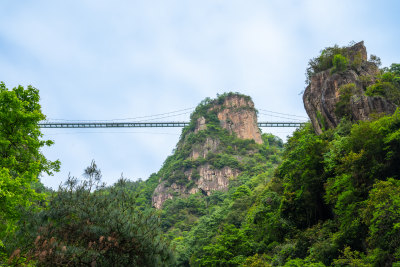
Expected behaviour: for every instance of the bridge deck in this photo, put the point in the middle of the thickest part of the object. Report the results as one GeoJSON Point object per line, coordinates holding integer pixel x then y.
{"type": "Point", "coordinates": [146, 124]}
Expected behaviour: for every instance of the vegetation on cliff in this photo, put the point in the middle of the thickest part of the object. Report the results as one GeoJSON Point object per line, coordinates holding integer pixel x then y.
{"type": "Point", "coordinates": [387, 84]}
{"type": "Point", "coordinates": [211, 143]}
{"type": "Point", "coordinates": [343, 84]}
{"type": "Point", "coordinates": [219, 228]}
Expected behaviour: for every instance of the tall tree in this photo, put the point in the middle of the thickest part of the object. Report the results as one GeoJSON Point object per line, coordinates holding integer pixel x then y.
{"type": "Point", "coordinates": [21, 160]}
{"type": "Point", "coordinates": [87, 224]}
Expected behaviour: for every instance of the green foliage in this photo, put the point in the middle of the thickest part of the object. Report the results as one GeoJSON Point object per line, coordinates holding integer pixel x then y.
{"type": "Point", "coordinates": [182, 213]}
{"type": "Point", "coordinates": [342, 107]}
{"type": "Point", "coordinates": [208, 229]}
{"type": "Point", "coordinates": [395, 68]}
{"type": "Point", "coordinates": [221, 147]}
{"type": "Point", "coordinates": [387, 84]}
{"type": "Point", "coordinates": [324, 61]}
{"type": "Point", "coordinates": [333, 200]}
{"type": "Point", "coordinates": [376, 60]}
{"type": "Point", "coordinates": [21, 160]}
{"type": "Point", "coordinates": [339, 63]}
{"type": "Point", "coordinates": [382, 216]}
{"type": "Point", "coordinates": [301, 262]}
{"type": "Point", "coordinates": [231, 248]}
{"type": "Point", "coordinates": [241, 191]}
{"type": "Point", "coordinates": [302, 172]}
{"type": "Point", "coordinates": [88, 224]}
{"type": "Point", "coordinates": [351, 258]}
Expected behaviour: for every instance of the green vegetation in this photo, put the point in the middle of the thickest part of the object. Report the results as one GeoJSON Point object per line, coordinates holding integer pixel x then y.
{"type": "Point", "coordinates": [21, 161]}
{"type": "Point", "coordinates": [332, 201]}
{"type": "Point", "coordinates": [319, 200]}
{"type": "Point", "coordinates": [223, 148]}
{"type": "Point", "coordinates": [80, 224]}
{"type": "Point", "coordinates": [88, 224]}
{"type": "Point", "coordinates": [339, 63]}
{"type": "Point", "coordinates": [387, 84]}
{"type": "Point", "coordinates": [325, 61]}
{"type": "Point", "coordinates": [342, 108]}
{"type": "Point", "coordinates": [337, 59]}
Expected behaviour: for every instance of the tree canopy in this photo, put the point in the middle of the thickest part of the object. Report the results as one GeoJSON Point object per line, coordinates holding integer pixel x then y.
{"type": "Point", "coordinates": [21, 161]}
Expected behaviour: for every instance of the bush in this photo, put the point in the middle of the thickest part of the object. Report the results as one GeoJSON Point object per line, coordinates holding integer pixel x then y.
{"type": "Point", "coordinates": [324, 61]}
{"type": "Point", "coordinates": [339, 63]}
{"type": "Point", "coordinates": [387, 84]}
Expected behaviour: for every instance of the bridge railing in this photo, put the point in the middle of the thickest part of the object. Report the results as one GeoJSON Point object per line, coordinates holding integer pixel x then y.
{"type": "Point", "coordinates": [146, 124]}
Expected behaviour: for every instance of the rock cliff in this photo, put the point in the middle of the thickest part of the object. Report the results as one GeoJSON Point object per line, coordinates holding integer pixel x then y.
{"type": "Point", "coordinates": [327, 92]}
{"type": "Point", "coordinates": [237, 115]}
{"type": "Point", "coordinates": [209, 153]}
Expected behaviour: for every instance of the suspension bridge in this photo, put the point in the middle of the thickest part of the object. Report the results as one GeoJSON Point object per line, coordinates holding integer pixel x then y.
{"type": "Point", "coordinates": [293, 121]}
{"type": "Point", "coordinates": [75, 125]}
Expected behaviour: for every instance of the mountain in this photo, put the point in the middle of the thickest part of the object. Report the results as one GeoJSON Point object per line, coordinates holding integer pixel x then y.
{"type": "Point", "coordinates": [329, 197]}
{"type": "Point", "coordinates": [231, 196]}
{"type": "Point", "coordinates": [212, 149]}
{"type": "Point", "coordinates": [335, 92]}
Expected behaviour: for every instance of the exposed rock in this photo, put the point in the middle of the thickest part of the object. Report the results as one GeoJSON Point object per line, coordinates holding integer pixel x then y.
{"type": "Point", "coordinates": [201, 124]}
{"type": "Point", "coordinates": [323, 93]}
{"type": "Point", "coordinates": [237, 114]}
{"type": "Point", "coordinates": [160, 195]}
{"type": "Point", "coordinates": [210, 145]}
{"type": "Point", "coordinates": [209, 181]}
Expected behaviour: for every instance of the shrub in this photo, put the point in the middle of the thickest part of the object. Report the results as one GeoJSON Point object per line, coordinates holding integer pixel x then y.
{"type": "Point", "coordinates": [387, 85]}
{"type": "Point", "coordinates": [324, 61]}
{"type": "Point", "coordinates": [339, 63]}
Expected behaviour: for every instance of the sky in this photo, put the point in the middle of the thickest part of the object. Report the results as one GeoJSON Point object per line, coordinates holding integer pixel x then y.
{"type": "Point", "coordinates": [125, 60]}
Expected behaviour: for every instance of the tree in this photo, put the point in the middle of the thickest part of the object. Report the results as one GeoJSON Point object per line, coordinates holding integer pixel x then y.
{"type": "Point", "coordinates": [382, 215]}
{"type": "Point", "coordinates": [339, 63]}
{"type": "Point", "coordinates": [302, 173]}
{"type": "Point", "coordinates": [21, 160]}
{"type": "Point", "coordinates": [87, 224]}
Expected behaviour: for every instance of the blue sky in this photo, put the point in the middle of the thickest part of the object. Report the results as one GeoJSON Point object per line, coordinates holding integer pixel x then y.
{"type": "Point", "coordinates": [101, 60]}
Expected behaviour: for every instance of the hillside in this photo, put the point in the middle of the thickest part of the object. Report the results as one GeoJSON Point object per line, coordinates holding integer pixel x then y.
{"type": "Point", "coordinates": [329, 198]}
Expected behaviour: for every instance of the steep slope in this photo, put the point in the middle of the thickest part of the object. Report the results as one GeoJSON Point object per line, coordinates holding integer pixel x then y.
{"type": "Point", "coordinates": [339, 89]}
{"type": "Point", "coordinates": [222, 134]}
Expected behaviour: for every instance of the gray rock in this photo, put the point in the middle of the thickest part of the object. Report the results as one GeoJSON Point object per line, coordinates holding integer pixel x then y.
{"type": "Point", "coordinates": [323, 93]}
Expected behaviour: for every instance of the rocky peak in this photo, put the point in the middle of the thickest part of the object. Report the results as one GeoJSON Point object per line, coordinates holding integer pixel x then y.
{"type": "Point", "coordinates": [328, 91]}
{"type": "Point", "coordinates": [207, 156]}
{"type": "Point", "coordinates": [237, 115]}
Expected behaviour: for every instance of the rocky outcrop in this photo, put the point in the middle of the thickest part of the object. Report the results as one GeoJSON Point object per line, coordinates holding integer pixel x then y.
{"type": "Point", "coordinates": [323, 93]}
{"type": "Point", "coordinates": [235, 113]}
{"type": "Point", "coordinates": [238, 116]}
{"type": "Point", "coordinates": [202, 150]}
{"type": "Point", "coordinates": [210, 180]}
{"type": "Point", "coordinates": [160, 194]}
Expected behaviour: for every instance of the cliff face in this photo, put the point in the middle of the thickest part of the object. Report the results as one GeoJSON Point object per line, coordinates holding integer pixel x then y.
{"type": "Point", "coordinates": [323, 95]}
{"type": "Point", "coordinates": [237, 115]}
{"type": "Point", "coordinates": [206, 158]}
